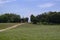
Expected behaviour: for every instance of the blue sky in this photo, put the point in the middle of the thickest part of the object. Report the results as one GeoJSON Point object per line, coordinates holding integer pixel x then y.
{"type": "Point", "coordinates": [27, 7]}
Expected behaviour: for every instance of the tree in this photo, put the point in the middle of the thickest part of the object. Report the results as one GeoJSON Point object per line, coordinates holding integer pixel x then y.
{"type": "Point", "coordinates": [26, 19]}
{"type": "Point", "coordinates": [33, 19]}
{"type": "Point", "coordinates": [46, 18]}
{"type": "Point", "coordinates": [9, 18]}
{"type": "Point", "coordinates": [23, 20]}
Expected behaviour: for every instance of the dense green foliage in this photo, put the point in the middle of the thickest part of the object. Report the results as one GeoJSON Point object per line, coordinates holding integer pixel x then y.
{"type": "Point", "coordinates": [24, 20]}
{"type": "Point", "coordinates": [33, 19]}
{"type": "Point", "coordinates": [11, 18]}
{"type": "Point", "coordinates": [47, 18]}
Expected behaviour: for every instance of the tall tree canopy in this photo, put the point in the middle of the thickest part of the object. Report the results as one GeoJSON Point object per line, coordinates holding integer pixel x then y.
{"type": "Point", "coordinates": [47, 17]}
{"type": "Point", "coordinates": [9, 18]}
{"type": "Point", "coordinates": [33, 19]}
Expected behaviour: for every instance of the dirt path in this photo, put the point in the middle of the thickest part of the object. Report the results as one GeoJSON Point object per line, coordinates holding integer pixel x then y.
{"type": "Point", "coordinates": [11, 27]}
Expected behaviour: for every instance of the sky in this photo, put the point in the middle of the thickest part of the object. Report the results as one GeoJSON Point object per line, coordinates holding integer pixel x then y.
{"type": "Point", "coordinates": [27, 7]}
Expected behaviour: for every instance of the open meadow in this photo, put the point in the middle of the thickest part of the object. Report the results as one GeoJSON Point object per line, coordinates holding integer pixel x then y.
{"type": "Point", "coordinates": [32, 32]}
{"type": "Point", "coordinates": [6, 25]}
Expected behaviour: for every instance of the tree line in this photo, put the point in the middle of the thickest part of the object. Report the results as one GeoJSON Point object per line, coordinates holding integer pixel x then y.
{"type": "Point", "coordinates": [43, 18]}
{"type": "Point", "coordinates": [46, 18]}
{"type": "Point", "coordinates": [12, 18]}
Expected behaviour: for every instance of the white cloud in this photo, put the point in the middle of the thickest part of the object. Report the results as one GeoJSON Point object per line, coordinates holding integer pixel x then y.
{"type": "Point", "coordinates": [46, 5]}
{"type": "Point", "coordinates": [5, 1]}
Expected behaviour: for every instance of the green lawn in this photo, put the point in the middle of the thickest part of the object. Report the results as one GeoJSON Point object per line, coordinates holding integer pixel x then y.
{"type": "Point", "coordinates": [32, 32]}
{"type": "Point", "coordinates": [5, 25]}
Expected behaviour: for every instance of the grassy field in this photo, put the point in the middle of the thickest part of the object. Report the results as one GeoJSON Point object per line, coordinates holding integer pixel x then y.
{"type": "Point", "coordinates": [5, 25]}
{"type": "Point", "coordinates": [32, 32]}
